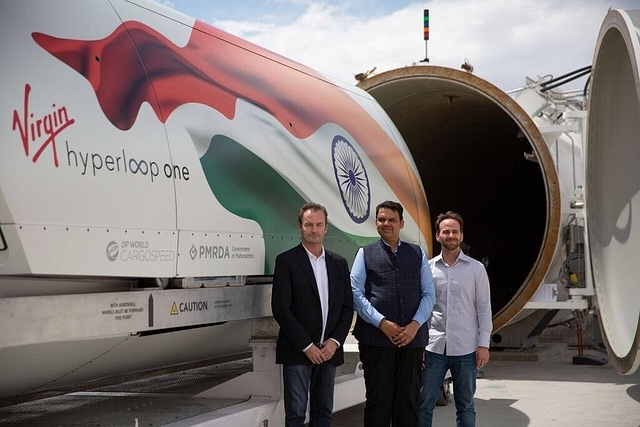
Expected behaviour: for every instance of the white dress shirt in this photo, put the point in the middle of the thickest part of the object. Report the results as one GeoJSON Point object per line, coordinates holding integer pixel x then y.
{"type": "Point", "coordinates": [319, 266]}
{"type": "Point", "coordinates": [461, 318]}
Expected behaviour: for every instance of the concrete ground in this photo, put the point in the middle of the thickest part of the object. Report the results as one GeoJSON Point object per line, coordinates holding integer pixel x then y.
{"type": "Point", "coordinates": [538, 387]}
{"type": "Point", "coordinates": [548, 392]}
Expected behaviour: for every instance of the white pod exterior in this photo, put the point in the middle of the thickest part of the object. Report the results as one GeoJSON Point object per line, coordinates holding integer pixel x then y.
{"type": "Point", "coordinates": [141, 147]}
{"type": "Point", "coordinates": [613, 184]}
{"type": "Point", "coordinates": [144, 143]}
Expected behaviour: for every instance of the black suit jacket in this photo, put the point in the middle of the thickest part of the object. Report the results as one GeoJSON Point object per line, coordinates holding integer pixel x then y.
{"type": "Point", "coordinates": [295, 303]}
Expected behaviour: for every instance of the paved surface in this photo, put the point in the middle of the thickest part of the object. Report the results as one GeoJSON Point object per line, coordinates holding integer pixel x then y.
{"type": "Point", "coordinates": [550, 392]}
{"type": "Point", "coordinates": [540, 387]}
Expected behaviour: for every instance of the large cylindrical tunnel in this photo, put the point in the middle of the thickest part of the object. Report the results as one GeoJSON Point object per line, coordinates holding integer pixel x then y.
{"type": "Point", "coordinates": [469, 139]}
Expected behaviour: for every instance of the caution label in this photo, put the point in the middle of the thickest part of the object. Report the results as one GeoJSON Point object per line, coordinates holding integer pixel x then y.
{"type": "Point", "coordinates": [189, 306]}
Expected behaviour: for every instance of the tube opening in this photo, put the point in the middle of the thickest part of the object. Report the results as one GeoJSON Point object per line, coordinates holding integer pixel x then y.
{"type": "Point", "coordinates": [480, 155]}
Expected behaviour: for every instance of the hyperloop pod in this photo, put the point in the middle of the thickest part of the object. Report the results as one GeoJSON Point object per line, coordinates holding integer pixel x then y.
{"type": "Point", "coordinates": [613, 185]}
{"type": "Point", "coordinates": [468, 139]}
{"type": "Point", "coordinates": [154, 145]}
{"type": "Point", "coordinates": [141, 144]}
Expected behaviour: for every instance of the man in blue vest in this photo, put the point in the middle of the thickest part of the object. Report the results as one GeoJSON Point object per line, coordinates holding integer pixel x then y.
{"type": "Point", "coordinates": [393, 294]}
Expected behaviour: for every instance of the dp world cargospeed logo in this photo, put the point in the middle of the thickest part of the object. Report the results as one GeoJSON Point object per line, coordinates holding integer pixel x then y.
{"type": "Point", "coordinates": [352, 179]}
{"type": "Point", "coordinates": [112, 251]}
{"type": "Point", "coordinates": [137, 251]}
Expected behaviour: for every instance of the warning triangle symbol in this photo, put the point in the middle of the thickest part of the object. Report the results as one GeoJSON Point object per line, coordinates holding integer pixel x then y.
{"type": "Point", "coordinates": [174, 309]}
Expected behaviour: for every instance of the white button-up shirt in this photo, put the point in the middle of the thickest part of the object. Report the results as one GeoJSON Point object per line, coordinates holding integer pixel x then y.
{"type": "Point", "coordinates": [319, 266]}
{"type": "Point", "coordinates": [461, 318]}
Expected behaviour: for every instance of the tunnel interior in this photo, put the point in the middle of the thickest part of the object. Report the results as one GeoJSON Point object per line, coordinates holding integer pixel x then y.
{"type": "Point", "coordinates": [470, 154]}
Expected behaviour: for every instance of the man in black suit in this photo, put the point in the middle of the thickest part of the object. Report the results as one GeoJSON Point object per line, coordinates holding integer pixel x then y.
{"type": "Point", "coordinates": [313, 304]}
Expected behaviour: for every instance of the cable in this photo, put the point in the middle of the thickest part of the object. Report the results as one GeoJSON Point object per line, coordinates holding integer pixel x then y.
{"type": "Point", "coordinates": [566, 271]}
{"type": "Point", "coordinates": [555, 79]}
{"type": "Point", "coordinates": [547, 86]}
{"type": "Point", "coordinates": [586, 85]}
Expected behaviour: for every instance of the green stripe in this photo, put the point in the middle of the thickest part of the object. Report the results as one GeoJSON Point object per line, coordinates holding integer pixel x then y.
{"type": "Point", "coordinates": [248, 187]}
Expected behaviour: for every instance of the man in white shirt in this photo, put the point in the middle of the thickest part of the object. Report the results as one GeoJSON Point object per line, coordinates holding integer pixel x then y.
{"type": "Point", "coordinates": [460, 325]}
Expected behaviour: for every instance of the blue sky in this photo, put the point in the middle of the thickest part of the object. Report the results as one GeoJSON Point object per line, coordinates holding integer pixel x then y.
{"type": "Point", "coordinates": [505, 40]}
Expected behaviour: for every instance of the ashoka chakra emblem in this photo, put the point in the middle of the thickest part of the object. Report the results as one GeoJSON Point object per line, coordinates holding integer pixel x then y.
{"type": "Point", "coordinates": [352, 179]}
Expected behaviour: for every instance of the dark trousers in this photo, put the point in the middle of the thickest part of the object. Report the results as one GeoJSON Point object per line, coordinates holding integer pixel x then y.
{"type": "Point", "coordinates": [392, 377]}
{"type": "Point", "coordinates": [312, 383]}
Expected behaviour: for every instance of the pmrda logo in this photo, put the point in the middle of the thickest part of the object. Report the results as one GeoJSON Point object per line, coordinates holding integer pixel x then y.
{"type": "Point", "coordinates": [38, 132]}
{"type": "Point", "coordinates": [209, 252]}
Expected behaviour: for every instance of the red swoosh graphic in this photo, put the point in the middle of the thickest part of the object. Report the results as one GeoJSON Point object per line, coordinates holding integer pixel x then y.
{"type": "Point", "coordinates": [216, 69]}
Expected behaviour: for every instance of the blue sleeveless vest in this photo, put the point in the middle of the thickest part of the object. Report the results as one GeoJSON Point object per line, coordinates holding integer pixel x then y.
{"type": "Point", "coordinates": [393, 288]}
